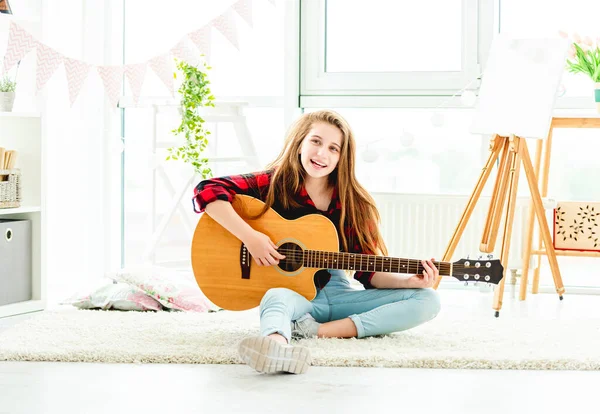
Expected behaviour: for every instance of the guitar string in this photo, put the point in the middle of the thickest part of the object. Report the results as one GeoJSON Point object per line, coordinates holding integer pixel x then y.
{"type": "Point", "coordinates": [316, 253]}
{"type": "Point", "coordinates": [379, 263]}
{"type": "Point", "coordinates": [323, 252]}
{"type": "Point", "coordinates": [320, 256]}
{"type": "Point", "coordinates": [297, 255]}
{"type": "Point", "coordinates": [443, 269]}
{"type": "Point", "coordinates": [447, 269]}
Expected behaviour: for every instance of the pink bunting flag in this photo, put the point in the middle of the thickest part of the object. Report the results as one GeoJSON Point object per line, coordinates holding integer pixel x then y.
{"type": "Point", "coordinates": [136, 73]}
{"type": "Point", "coordinates": [161, 65]}
{"type": "Point", "coordinates": [225, 23]}
{"type": "Point", "coordinates": [77, 72]}
{"type": "Point", "coordinates": [20, 42]}
{"type": "Point", "coordinates": [201, 39]}
{"type": "Point", "coordinates": [182, 52]}
{"type": "Point", "coordinates": [244, 9]}
{"type": "Point", "coordinates": [112, 78]}
{"type": "Point", "coordinates": [48, 60]}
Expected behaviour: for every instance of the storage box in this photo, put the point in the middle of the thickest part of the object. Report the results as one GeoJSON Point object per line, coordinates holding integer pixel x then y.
{"type": "Point", "coordinates": [10, 188]}
{"type": "Point", "coordinates": [577, 226]}
{"type": "Point", "coordinates": [15, 261]}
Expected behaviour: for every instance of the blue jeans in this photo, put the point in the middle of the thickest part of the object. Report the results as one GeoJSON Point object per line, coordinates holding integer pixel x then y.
{"type": "Point", "coordinates": [373, 311]}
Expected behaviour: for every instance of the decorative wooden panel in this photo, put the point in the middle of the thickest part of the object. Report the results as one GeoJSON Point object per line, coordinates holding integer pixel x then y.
{"type": "Point", "coordinates": [577, 226]}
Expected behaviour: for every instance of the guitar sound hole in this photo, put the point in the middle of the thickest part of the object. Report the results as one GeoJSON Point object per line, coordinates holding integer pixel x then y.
{"type": "Point", "coordinates": [293, 257]}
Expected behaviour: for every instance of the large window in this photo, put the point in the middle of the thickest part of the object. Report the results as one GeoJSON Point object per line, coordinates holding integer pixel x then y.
{"type": "Point", "coordinates": [382, 36]}
{"type": "Point", "coordinates": [389, 69]}
{"type": "Point", "coordinates": [153, 27]}
{"type": "Point", "coordinates": [155, 226]}
{"type": "Point", "coordinates": [381, 47]}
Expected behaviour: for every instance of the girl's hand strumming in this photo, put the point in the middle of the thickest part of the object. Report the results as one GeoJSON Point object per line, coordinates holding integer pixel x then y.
{"type": "Point", "coordinates": [262, 249]}
{"type": "Point", "coordinates": [427, 279]}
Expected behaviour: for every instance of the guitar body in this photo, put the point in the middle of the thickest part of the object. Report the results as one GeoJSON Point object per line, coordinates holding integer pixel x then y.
{"type": "Point", "coordinates": [218, 259]}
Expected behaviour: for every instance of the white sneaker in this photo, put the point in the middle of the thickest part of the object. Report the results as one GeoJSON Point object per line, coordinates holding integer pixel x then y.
{"type": "Point", "coordinates": [268, 355]}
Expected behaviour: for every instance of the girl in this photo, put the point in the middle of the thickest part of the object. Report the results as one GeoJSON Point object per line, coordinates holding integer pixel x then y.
{"type": "Point", "coordinates": [314, 173]}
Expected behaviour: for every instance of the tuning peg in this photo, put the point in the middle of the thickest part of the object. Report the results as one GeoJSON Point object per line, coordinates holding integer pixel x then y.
{"type": "Point", "coordinates": [480, 257]}
{"type": "Point", "coordinates": [490, 256]}
{"type": "Point", "coordinates": [466, 283]}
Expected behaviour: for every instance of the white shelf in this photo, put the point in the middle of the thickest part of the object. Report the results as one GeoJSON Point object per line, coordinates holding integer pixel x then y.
{"type": "Point", "coordinates": [21, 130]}
{"type": "Point", "coordinates": [19, 114]}
{"type": "Point", "coordinates": [575, 113]}
{"type": "Point", "coordinates": [22, 307]}
{"type": "Point", "coordinates": [20, 210]}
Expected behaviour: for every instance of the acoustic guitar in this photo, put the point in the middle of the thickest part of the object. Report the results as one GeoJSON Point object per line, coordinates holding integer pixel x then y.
{"type": "Point", "coordinates": [228, 276]}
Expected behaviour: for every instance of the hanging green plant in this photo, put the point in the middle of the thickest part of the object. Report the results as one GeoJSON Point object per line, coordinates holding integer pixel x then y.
{"type": "Point", "coordinates": [195, 93]}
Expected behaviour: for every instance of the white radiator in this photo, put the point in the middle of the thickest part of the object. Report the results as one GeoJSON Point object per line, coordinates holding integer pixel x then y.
{"type": "Point", "coordinates": [420, 226]}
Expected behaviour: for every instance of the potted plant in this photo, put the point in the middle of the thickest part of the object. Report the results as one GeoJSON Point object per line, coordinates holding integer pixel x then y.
{"type": "Point", "coordinates": [7, 94]}
{"type": "Point", "coordinates": [195, 94]}
{"type": "Point", "coordinates": [584, 57]}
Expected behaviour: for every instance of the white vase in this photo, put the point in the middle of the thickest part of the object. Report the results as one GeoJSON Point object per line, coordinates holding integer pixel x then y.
{"type": "Point", "coordinates": [7, 99]}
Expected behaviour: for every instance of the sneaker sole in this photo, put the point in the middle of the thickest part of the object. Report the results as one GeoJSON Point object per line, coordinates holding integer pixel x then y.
{"type": "Point", "coordinates": [269, 356]}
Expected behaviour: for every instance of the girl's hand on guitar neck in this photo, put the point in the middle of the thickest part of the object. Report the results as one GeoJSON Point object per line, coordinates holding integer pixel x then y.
{"type": "Point", "coordinates": [262, 249]}
{"type": "Point", "coordinates": [425, 280]}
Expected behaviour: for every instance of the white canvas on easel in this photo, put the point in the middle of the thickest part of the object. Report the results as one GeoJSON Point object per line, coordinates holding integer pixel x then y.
{"type": "Point", "coordinates": [519, 86]}
{"type": "Point", "coordinates": [516, 99]}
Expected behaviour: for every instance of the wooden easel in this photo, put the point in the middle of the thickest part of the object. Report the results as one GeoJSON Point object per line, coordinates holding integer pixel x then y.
{"type": "Point", "coordinates": [510, 151]}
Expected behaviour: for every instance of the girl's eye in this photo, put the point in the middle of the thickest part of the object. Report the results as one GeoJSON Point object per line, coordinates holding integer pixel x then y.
{"type": "Point", "coordinates": [334, 149]}
{"type": "Point", "coordinates": [315, 141]}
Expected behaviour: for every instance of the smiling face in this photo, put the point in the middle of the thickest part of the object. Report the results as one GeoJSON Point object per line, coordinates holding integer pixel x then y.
{"type": "Point", "coordinates": [320, 150]}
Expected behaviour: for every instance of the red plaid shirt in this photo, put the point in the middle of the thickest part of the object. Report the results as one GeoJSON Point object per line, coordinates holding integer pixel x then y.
{"type": "Point", "coordinates": [257, 185]}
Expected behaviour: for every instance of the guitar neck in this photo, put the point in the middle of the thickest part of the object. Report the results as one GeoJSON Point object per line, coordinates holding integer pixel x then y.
{"type": "Point", "coordinates": [368, 263]}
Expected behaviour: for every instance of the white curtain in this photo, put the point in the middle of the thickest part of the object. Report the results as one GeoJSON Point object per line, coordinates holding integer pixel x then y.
{"type": "Point", "coordinates": [83, 228]}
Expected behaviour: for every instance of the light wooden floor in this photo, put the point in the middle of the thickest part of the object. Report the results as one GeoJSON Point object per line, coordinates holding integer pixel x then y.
{"type": "Point", "coordinates": [123, 388]}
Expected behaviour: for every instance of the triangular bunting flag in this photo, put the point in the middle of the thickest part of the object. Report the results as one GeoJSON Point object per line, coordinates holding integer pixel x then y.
{"type": "Point", "coordinates": [112, 78]}
{"type": "Point", "coordinates": [163, 69]}
{"type": "Point", "coordinates": [48, 60]}
{"type": "Point", "coordinates": [244, 9]}
{"type": "Point", "coordinates": [19, 44]}
{"type": "Point", "coordinates": [201, 39]}
{"type": "Point", "coordinates": [135, 75]}
{"type": "Point", "coordinates": [77, 72]}
{"type": "Point", "coordinates": [182, 52]}
{"type": "Point", "coordinates": [225, 23]}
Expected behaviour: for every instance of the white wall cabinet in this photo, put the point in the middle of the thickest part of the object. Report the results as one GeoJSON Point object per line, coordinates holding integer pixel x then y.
{"type": "Point", "coordinates": [23, 132]}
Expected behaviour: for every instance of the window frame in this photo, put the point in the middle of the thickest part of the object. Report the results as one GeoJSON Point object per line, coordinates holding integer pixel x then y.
{"type": "Point", "coordinates": [318, 86]}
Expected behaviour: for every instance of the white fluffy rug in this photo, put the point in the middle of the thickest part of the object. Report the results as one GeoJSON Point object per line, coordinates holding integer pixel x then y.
{"type": "Point", "coordinates": [210, 338]}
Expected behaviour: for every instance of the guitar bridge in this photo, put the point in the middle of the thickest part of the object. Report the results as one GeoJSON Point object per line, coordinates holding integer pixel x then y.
{"type": "Point", "coordinates": [245, 262]}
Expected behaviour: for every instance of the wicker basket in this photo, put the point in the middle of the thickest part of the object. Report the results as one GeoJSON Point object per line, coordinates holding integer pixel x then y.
{"type": "Point", "coordinates": [10, 188]}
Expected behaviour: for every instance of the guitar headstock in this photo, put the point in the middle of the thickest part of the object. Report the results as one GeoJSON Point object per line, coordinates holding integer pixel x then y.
{"type": "Point", "coordinates": [478, 270]}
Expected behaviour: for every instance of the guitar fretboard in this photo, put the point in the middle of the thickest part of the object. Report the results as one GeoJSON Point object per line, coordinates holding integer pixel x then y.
{"type": "Point", "coordinates": [368, 263]}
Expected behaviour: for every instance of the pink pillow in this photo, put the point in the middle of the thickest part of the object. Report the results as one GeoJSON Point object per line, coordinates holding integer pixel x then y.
{"type": "Point", "coordinates": [169, 287]}
{"type": "Point", "coordinates": [118, 296]}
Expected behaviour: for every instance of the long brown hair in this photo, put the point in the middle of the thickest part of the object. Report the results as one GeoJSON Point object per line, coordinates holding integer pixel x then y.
{"type": "Point", "coordinates": [359, 211]}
